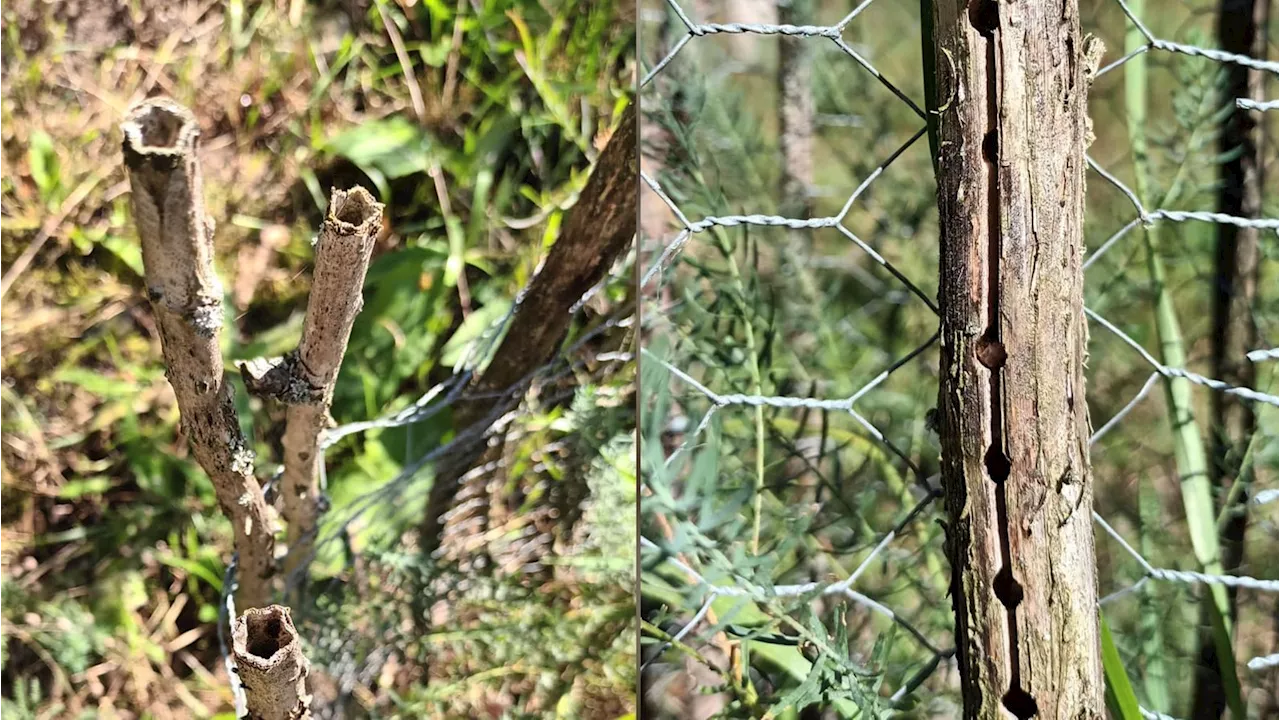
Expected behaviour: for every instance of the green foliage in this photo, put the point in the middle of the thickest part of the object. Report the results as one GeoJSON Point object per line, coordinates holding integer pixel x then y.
{"type": "Point", "coordinates": [767, 311]}
{"type": "Point", "coordinates": [1121, 700]}
{"type": "Point", "coordinates": [1166, 180]}
{"type": "Point", "coordinates": [74, 651]}
{"type": "Point", "coordinates": [390, 148]}
{"type": "Point", "coordinates": [27, 696]}
{"type": "Point", "coordinates": [43, 159]}
{"type": "Point", "coordinates": [820, 320]}
{"type": "Point", "coordinates": [519, 97]}
{"type": "Point", "coordinates": [555, 643]}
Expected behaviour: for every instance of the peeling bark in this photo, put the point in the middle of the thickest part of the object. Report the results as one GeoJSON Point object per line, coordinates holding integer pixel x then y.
{"type": "Point", "coordinates": [161, 139]}
{"type": "Point", "coordinates": [1012, 83]}
{"type": "Point", "coordinates": [272, 668]}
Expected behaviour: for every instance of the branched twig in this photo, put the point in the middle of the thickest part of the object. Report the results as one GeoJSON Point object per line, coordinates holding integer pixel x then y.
{"type": "Point", "coordinates": [160, 144]}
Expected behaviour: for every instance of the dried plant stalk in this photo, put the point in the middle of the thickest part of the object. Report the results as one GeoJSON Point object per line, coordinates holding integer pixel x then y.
{"type": "Point", "coordinates": [796, 112]}
{"type": "Point", "coordinates": [272, 668]}
{"type": "Point", "coordinates": [595, 232]}
{"type": "Point", "coordinates": [160, 144]}
{"type": "Point", "coordinates": [342, 257]}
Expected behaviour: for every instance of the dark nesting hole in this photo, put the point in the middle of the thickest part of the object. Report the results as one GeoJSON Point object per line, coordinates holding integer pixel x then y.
{"type": "Point", "coordinates": [1021, 704]}
{"type": "Point", "coordinates": [1008, 590]}
{"type": "Point", "coordinates": [997, 464]}
{"type": "Point", "coordinates": [991, 147]}
{"type": "Point", "coordinates": [984, 16]}
{"type": "Point", "coordinates": [354, 208]}
{"type": "Point", "coordinates": [160, 127]}
{"type": "Point", "coordinates": [266, 640]}
{"type": "Point", "coordinates": [990, 351]}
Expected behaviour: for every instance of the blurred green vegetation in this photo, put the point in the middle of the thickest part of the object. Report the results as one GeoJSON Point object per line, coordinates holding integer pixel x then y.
{"type": "Point", "coordinates": [806, 313]}
{"type": "Point", "coordinates": [475, 122]}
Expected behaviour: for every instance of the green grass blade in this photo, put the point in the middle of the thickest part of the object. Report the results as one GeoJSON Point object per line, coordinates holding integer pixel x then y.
{"type": "Point", "coordinates": [1189, 454]}
{"type": "Point", "coordinates": [1121, 700]}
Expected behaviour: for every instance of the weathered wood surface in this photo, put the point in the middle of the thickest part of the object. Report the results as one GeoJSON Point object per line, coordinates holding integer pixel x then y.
{"type": "Point", "coordinates": [596, 231]}
{"type": "Point", "coordinates": [1011, 83]}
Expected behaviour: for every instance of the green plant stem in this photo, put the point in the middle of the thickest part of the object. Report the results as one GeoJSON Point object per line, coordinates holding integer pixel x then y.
{"type": "Point", "coordinates": [1155, 676]}
{"type": "Point", "coordinates": [1121, 701]}
{"type": "Point", "coordinates": [1189, 454]}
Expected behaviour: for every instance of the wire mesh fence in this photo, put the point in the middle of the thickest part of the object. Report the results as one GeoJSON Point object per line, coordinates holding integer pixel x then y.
{"type": "Point", "coordinates": [717, 568]}
{"type": "Point", "coordinates": [790, 525]}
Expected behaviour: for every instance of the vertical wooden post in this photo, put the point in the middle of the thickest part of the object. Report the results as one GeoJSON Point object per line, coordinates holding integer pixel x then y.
{"type": "Point", "coordinates": [1012, 81]}
{"type": "Point", "coordinates": [795, 111]}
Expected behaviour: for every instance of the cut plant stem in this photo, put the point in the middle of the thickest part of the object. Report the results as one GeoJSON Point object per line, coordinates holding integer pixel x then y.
{"type": "Point", "coordinates": [270, 664]}
{"type": "Point", "coordinates": [305, 379]}
{"type": "Point", "coordinates": [161, 140]}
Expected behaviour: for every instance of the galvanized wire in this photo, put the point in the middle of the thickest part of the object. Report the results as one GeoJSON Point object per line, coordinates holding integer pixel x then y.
{"type": "Point", "coordinates": [723, 402]}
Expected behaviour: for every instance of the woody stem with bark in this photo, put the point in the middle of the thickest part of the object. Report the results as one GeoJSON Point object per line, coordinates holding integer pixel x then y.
{"type": "Point", "coordinates": [161, 140]}
{"type": "Point", "coordinates": [595, 232]}
{"type": "Point", "coordinates": [304, 380]}
{"type": "Point", "coordinates": [796, 111]}
{"type": "Point", "coordinates": [272, 669]}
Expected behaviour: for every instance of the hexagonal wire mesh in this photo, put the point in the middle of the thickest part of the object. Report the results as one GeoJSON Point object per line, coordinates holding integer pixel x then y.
{"type": "Point", "coordinates": [715, 346]}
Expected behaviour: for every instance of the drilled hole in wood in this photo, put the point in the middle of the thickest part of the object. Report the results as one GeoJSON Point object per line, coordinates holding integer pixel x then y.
{"type": "Point", "coordinates": [991, 147]}
{"type": "Point", "coordinates": [1008, 591]}
{"type": "Point", "coordinates": [984, 16]}
{"type": "Point", "coordinates": [997, 464]}
{"type": "Point", "coordinates": [990, 352]}
{"type": "Point", "coordinates": [1021, 704]}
